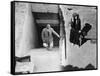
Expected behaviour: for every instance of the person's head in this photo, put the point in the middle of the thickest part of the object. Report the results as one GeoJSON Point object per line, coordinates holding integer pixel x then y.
{"type": "Point", "coordinates": [77, 16]}
{"type": "Point", "coordinates": [74, 14]}
{"type": "Point", "coordinates": [48, 26]}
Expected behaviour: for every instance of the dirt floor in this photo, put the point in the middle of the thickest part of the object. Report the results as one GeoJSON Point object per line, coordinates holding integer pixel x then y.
{"type": "Point", "coordinates": [46, 61]}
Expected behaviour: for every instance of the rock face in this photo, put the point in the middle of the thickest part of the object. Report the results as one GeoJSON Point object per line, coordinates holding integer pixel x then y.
{"type": "Point", "coordinates": [25, 29]}
{"type": "Point", "coordinates": [81, 56]}
{"type": "Point", "coordinates": [20, 11]}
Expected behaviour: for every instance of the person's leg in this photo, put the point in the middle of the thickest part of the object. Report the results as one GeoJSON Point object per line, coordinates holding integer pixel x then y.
{"type": "Point", "coordinates": [51, 44]}
{"type": "Point", "coordinates": [72, 36]}
{"type": "Point", "coordinates": [77, 38]}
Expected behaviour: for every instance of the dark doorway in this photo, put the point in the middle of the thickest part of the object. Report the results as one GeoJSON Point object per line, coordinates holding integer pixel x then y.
{"type": "Point", "coordinates": [41, 20]}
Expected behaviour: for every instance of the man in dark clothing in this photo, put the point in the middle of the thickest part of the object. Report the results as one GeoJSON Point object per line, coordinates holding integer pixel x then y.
{"type": "Point", "coordinates": [75, 29]}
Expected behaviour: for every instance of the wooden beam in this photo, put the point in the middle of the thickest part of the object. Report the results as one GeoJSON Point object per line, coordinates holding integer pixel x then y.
{"type": "Point", "coordinates": [45, 16]}
{"type": "Point", "coordinates": [47, 21]}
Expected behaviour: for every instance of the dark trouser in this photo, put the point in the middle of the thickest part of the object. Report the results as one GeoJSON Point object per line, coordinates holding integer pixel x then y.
{"type": "Point", "coordinates": [74, 36]}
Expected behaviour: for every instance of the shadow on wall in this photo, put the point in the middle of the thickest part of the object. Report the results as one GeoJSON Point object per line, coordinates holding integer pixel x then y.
{"type": "Point", "coordinates": [75, 68]}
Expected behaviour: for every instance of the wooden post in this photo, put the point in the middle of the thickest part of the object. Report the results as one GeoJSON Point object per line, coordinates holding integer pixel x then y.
{"type": "Point", "coordinates": [62, 41]}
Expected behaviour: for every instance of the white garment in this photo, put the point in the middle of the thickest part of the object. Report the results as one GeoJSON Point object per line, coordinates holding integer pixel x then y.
{"type": "Point", "coordinates": [46, 45]}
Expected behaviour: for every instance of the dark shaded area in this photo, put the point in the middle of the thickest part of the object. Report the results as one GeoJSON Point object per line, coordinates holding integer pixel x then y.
{"type": "Point", "coordinates": [74, 37]}
{"type": "Point", "coordinates": [84, 33]}
{"type": "Point", "coordinates": [84, 40]}
{"type": "Point", "coordinates": [23, 59]}
{"type": "Point", "coordinates": [12, 44]}
{"type": "Point", "coordinates": [21, 73]}
{"type": "Point", "coordinates": [46, 15]}
{"type": "Point", "coordinates": [89, 67]}
{"type": "Point", "coordinates": [85, 29]}
{"type": "Point", "coordinates": [75, 28]}
{"type": "Point", "coordinates": [69, 9]}
{"type": "Point", "coordinates": [75, 68]}
{"type": "Point", "coordinates": [78, 38]}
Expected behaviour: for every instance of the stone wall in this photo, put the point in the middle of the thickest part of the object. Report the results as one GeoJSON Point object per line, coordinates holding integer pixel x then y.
{"type": "Point", "coordinates": [86, 54]}
{"type": "Point", "coordinates": [51, 8]}
{"type": "Point", "coordinates": [87, 15]}
{"type": "Point", "coordinates": [25, 30]}
{"type": "Point", "coordinates": [20, 11]}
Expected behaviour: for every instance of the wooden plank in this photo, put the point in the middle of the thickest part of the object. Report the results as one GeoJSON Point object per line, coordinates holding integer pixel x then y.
{"type": "Point", "coordinates": [47, 21]}
{"type": "Point", "coordinates": [45, 24]}
{"type": "Point", "coordinates": [45, 16]}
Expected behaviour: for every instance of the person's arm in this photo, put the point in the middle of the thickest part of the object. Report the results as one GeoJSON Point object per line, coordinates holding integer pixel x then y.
{"type": "Point", "coordinates": [54, 32]}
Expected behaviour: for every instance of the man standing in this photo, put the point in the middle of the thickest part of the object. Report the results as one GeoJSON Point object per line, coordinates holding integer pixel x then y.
{"type": "Point", "coordinates": [47, 36]}
{"type": "Point", "coordinates": [75, 29]}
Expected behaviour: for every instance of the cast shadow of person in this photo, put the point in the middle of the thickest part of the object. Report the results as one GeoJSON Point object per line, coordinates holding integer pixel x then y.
{"type": "Point", "coordinates": [84, 33]}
